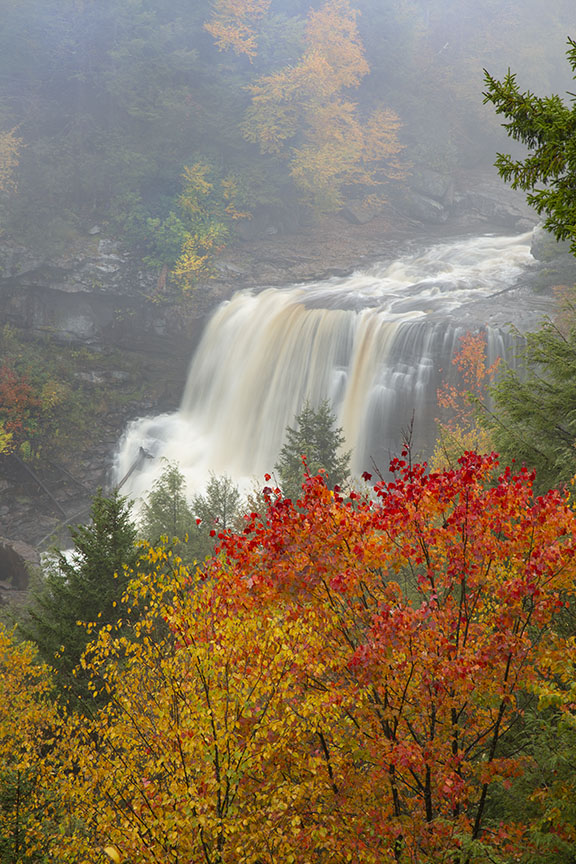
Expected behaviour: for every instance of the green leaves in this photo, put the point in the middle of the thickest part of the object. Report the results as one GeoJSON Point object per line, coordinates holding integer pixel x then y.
{"type": "Point", "coordinates": [83, 587]}
{"type": "Point", "coordinates": [548, 128]}
{"type": "Point", "coordinates": [313, 445]}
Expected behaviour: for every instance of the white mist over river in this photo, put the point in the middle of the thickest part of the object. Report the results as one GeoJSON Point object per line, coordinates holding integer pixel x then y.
{"type": "Point", "coordinates": [374, 344]}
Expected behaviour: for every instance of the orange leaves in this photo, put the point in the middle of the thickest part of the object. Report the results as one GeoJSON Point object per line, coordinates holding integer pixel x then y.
{"type": "Point", "coordinates": [306, 101]}
{"type": "Point", "coordinates": [232, 24]}
{"type": "Point", "coordinates": [332, 34]}
{"type": "Point", "coordinates": [344, 675]}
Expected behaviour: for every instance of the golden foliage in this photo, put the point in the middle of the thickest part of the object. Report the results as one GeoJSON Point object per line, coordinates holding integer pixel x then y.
{"type": "Point", "coordinates": [293, 702]}
{"type": "Point", "coordinates": [461, 431]}
{"type": "Point", "coordinates": [208, 203]}
{"type": "Point", "coordinates": [28, 718]}
{"type": "Point", "coordinates": [300, 112]}
{"type": "Point", "coordinates": [232, 24]}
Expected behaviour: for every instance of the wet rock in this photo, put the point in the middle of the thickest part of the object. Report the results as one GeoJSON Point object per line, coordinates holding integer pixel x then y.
{"type": "Point", "coordinates": [433, 184]}
{"type": "Point", "coordinates": [16, 558]}
{"type": "Point", "coordinates": [360, 212]}
{"type": "Point", "coordinates": [422, 208]}
{"type": "Point", "coordinates": [545, 247]}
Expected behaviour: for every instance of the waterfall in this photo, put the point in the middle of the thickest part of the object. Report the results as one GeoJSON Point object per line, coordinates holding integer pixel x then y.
{"type": "Point", "coordinates": [376, 344]}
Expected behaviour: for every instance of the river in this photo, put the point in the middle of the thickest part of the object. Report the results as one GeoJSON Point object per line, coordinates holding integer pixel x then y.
{"type": "Point", "coordinates": [376, 344]}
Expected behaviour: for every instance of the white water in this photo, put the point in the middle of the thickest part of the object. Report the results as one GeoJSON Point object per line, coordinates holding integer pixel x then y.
{"type": "Point", "coordinates": [375, 344]}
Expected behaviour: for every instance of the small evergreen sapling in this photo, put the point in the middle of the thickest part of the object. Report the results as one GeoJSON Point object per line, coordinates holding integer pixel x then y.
{"type": "Point", "coordinates": [84, 587]}
{"type": "Point", "coordinates": [316, 439]}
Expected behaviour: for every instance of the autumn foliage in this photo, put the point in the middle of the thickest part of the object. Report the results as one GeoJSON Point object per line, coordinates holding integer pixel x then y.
{"type": "Point", "coordinates": [233, 22]}
{"type": "Point", "coordinates": [458, 429]}
{"type": "Point", "coordinates": [347, 680]}
{"type": "Point", "coordinates": [302, 112]}
{"type": "Point", "coordinates": [28, 720]}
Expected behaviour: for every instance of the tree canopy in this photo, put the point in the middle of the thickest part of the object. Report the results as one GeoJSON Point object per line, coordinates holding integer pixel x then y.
{"type": "Point", "coordinates": [81, 590]}
{"type": "Point", "coordinates": [313, 444]}
{"type": "Point", "coordinates": [547, 125]}
{"type": "Point", "coordinates": [346, 679]}
{"type": "Point", "coordinates": [533, 417]}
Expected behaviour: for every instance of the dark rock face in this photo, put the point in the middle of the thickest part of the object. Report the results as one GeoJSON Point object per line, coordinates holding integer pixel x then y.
{"type": "Point", "coordinates": [16, 559]}
{"type": "Point", "coordinates": [423, 208]}
{"type": "Point", "coordinates": [93, 295]}
{"type": "Point", "coordinates": [435, 198]}
{"type": "Point", "coordinates": [433, 184]}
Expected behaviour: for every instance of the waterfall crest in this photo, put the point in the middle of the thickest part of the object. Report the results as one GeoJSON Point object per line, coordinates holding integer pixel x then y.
{"type": "Point", "coordinates": [376, 344]}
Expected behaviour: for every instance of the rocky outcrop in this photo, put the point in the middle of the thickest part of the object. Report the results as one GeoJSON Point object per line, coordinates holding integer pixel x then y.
{"type": "Point", "coordinates": [16, 559]}
{"type": "Point", "coordinates": [93, 294]}
{"type": "Point", "coordinates": [557, 263]}
{"type": "Point", "coordinates": [436, 198]}
{"type": "Point", "coordinates": [545, 247]}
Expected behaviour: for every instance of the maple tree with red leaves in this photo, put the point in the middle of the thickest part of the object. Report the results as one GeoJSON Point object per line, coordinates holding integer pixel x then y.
{"type": "Point", "coordinates": [344, 681]}
{"type": "Point", "coordinates": [18, 406]}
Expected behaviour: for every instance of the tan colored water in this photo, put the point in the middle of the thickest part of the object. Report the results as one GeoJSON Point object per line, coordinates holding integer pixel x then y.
{"type": "Point", "coordinates": [375, 344]}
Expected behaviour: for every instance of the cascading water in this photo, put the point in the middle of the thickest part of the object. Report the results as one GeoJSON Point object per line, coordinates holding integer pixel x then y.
{"type": "Point", "coordinates": [374, 344]}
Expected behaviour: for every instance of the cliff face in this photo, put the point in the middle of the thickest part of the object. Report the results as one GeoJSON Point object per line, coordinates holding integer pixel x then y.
{"type": "Point", "coordinates": [93, 294]}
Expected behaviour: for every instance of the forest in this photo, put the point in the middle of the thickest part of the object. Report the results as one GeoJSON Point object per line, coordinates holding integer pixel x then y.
{"type": "Point", "coordinates": [327, 666]}
{"type": "Point", "coordinates": [168, 122]}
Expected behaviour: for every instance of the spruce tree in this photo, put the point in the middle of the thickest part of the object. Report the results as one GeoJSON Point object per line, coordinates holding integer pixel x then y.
{"type": "Point", "coordinates": [534, 417]}
{"type": "Point", "coordinates": [82, 587]}
{"type": "Point", "coordinates": [547, 126]}
{"type": "Point", "coordinates": [167, 517]}
{"type": "Point", "coordinates": [315, 438]}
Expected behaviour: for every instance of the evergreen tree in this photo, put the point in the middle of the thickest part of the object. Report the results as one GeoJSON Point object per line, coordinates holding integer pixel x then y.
{"type": "Point", "coordinates": [534, 418]}
{"type": "Point", "coordinates": [83, 587]}
{"type": "Point", "coordinates": [316, 439]}
{"type": "Point", "coordinates": [548, 127]}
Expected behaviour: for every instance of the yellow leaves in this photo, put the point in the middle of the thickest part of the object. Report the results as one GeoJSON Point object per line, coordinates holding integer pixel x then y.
{"type": "Point", "coordinates": [338, 146]}
{"type": "Point", "coordinates": [192, 265]}
{"type": "Point", "coordinates": [332, 33]}
{"type": "Point", "coordinates": [28, 717]}
{"type": "Point", "coordinates": [6, 445]}
{"type": "Point", "coordinates": [232, 24]}
{"type": "Point", "coordinates": [113, 853]}
{"type": "Point", "coordinates": [208, 203]}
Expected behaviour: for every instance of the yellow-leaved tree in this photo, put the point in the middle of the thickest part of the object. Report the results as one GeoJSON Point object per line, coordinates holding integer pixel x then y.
{"type": "Point", "coordinates": [344, 681]}
{"type": "Point", "coordinates": [302, 113]}
{"type": "Point", "coordinates": [28, 784]}
{"type": "Point", "coordinates": [232, 24]}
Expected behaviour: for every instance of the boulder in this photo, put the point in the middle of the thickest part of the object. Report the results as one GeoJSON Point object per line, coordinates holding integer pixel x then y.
{"type": "Point", "coordinates": [422, 207]}
{"type": "Point", "coordinates": [545, 247]}
{"type": "Point", "coordinates": [16, 558]}
{"type": "Point", "coordinates": [433, 184]}
{"type": "Point", "coordinates": [359, 212]}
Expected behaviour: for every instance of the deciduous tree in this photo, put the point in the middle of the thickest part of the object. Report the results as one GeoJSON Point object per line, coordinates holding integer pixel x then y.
{"type": "Point", "coordinates": [301, 111]}
{"type": "Point", "coordinates": [232, 24]}
{"type": "Point", "coordinates": [459, 429]}
{"type": "Point", "coordinates": [344, 681]}
{"type": "Point", "coordinates": [28, 722]}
